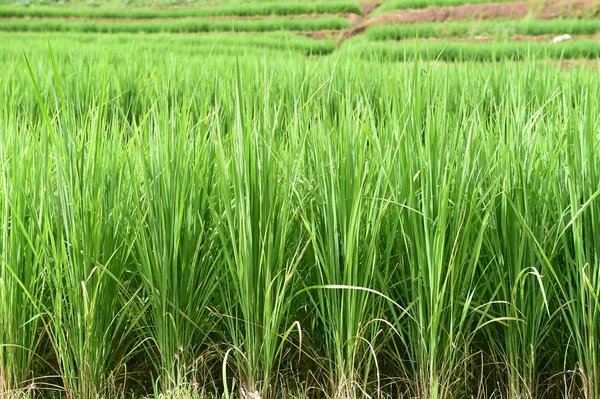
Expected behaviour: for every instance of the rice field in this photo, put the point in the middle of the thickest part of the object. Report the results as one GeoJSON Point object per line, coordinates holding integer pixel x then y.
{"type": "Point", "coordinates": [177, 26]}
{"type": "Point", "coordinates": [390, 211]}
{"type": "Point", "coordinates": [499, 29]}
{"type": "Point", "coordinates": [219, 10]}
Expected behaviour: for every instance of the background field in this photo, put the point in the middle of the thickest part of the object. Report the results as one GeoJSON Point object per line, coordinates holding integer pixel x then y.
{"type": "Point", "coordinates": [264, 200]}
{"type": "Point", "coordinates": [482, 30]}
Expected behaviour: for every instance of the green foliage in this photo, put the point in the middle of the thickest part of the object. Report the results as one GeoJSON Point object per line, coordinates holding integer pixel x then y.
{"type": "Point", "coordinates": [478, 28]}
{"type": "Point", "coordinates": [480, 52]}
{"type": "Point", "coordinates": [190, 220]}
{"type": "Point", "coordinates": [196, 48]}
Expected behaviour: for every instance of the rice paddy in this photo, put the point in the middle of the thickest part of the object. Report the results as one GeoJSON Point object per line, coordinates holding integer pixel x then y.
{"type": "Point", "coordinates": [275, 206]}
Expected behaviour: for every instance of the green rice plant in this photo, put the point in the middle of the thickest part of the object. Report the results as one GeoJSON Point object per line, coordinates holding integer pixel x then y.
{"type": "Point", "coordinates": [175, 245]}
{"type": "Point", "coordinates": [87, 252]}
{"type": "Point", "coordinates": [442, 209]}
{"type": "Point", "coordinates": [343, 218]}
{"type": "Point", "coordinates": [260, 237]}
{"type": "Point", "coordinates": [23, 274]}
{"type": "Point", "coordinates": [576, 244]}
{"type": "Point", "coordinates": [520, 280]}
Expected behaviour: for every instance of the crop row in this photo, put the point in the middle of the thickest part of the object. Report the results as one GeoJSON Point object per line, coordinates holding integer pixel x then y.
{"type": "Point", "coordinates": [475, 28]}
{"type": "Point", "coordinates": [465, 51]}
{"type": "Point", "coordinates": [190, 47]}
{"type": "Point", "coordinates": [239, 10]}
{"type": "Point", "coordinates": [174, 26]}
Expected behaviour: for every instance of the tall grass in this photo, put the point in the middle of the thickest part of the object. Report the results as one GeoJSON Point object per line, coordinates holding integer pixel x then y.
{"type": "Point", "coordinates": [22, 269]}
{"type": "Point", "coordinates": [268, 225]}
{"type": "Point", "coordinates": [175, 247]}
{"type": "Point", "coordinates": [262, 244]}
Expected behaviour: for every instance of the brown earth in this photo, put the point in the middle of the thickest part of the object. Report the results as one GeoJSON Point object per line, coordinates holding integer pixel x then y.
{"type": "Point", "coordinates": [464, 12]}
{"type": "Point", "coordinates": [570, 64]}
{"type": "Point", "coordinates": [321, 34]}
{"type": "Point", "coordinates": [567, 9]}
{"type": "Point", "coordinates": [355, 19]}
{"type": "Point", "coordinates": [514, 10]}
{"type": "Point", "coordinates": [368, 8]}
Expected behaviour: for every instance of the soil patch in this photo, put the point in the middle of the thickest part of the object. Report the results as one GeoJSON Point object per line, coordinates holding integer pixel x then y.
{"type": "Point", "coordinates": [321, 34]}
{"type": "Point", "coordinates": [355, 19]}
{"type": "Point", "coordinates": [368, 8]}
{"type": "Point", "coordinates": [464, 12]}
{"type": "Point", "coordinates": [515, 10]}
{"type": "Point", "coordinates": [566, 9]}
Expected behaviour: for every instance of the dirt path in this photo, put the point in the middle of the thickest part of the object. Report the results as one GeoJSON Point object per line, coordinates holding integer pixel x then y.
{"type": "Point", "coordinates": [322, 34]}
{"type": "Point", "coordinates": [464, 12]}
{"type": "Point", "coordinates": [515, 10]}
{"type": "Point", "coordinates": [368, 9]}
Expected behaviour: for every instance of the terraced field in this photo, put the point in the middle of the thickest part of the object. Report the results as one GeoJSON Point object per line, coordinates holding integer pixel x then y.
{"type": "Point", "coordinates": [482, 30]}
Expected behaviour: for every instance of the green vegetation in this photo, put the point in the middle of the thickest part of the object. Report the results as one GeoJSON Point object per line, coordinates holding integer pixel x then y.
{"type": "Point", "coordinates": [490, 51]}
{"type": "Point", "coordinates": [161, 45]}
{"type": "Point", "coordinates": [176, 26]}
{"type": "Point", "coordinates": [225, 10]}
{"type": "Point", "coordinates": [220, 216]}
{"type": "Point", "coordinates": [196, 207]}
{"type": "Point", "coordinates": [394, 5]}
{"type": "Point", "coordinates": [495, 28]}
